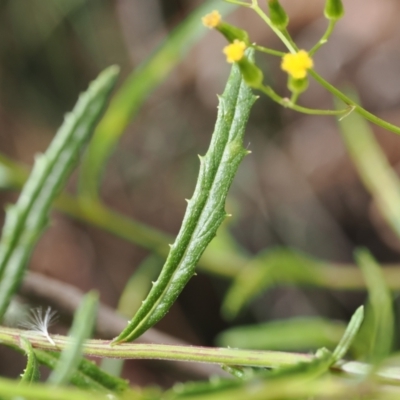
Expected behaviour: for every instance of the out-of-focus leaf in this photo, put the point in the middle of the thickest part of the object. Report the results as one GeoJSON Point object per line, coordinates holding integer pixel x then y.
{"type": "Point", "coordinates": [378, 176]}
{"type": "Point", "coordinates": [27, 219]}
{"type": "Point", "coordinates": [283, 266]}
{"type": "Point", "coordinates": [139, 285]}
{"type": "Point", "coordinates": [87, 375]}
{"type": "Point", "coordinates": [377, 333]}
{"type": "Point", "coordinates": [81, 329]}
{"type": "Point", "coordinates": [348, 337]}
{"type": "Point", "coordinates": [301, 373]}
{"type": "Point", "coordinates": [135, 91]}
{"type": "Point", "coordinates": [295, 334]}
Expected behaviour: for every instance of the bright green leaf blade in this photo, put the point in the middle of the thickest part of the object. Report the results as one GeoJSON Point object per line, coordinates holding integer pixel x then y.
{"type": "Point", "coordinates": [81, 330]}
{"type": "Point", "coordinates": [135, 91]}
{"type": "Point", "coordinates": [31, 373]}
{"type": "Point", "coordinates": [377, 175]}
{"type": "Point", "coordinates": [379, 332]}
{"type": "Point", "coordinates": [348, 337]}
{"type": "Point", "coordinates": [205, 211]}
{"type": "Point", "coordinates": [27, 219]}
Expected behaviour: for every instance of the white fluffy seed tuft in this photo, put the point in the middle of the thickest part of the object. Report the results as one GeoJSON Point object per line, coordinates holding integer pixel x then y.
{"type": "Point", "coordinates": [39, 321]}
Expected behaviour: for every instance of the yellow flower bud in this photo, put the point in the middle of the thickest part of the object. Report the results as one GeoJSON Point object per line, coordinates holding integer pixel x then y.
{"type": "Point", "coordinates": [235, 51]}
{"type": "Point", "coordinates": [296, 65]}
{"type": "Point", "coordinates": [212, 19]}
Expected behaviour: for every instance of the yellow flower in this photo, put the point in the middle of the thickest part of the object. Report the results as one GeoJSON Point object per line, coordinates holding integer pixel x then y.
{"type": "Point", "coordinates": [211, 20]}
{"type": "Point", "coordinates": [296, 65]}
{"type": "Point", "coordinates": [235, 51]}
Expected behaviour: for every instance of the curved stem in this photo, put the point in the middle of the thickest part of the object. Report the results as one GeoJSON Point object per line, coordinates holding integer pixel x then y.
{"type": "Point", "coordinates": [288, 42]}
{"type": "Point", "coordinates": [285, 102]}
{"type": "Point", "coordinates": [324, 38]}
{"type": "Point", "coordinates": [360, 110]}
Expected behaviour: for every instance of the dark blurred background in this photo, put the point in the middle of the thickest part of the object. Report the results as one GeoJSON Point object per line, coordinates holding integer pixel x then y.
{"type": "Point", "coordinates": [298, 188]}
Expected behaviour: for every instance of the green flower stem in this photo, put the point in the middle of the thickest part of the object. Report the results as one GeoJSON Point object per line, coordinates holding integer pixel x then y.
{"type": "Point", "coordinates": [324, 38]}
{"type": "Point", "coordinates": [294, 98]}
{"type": "Point", "coordinates": [285, 102]}
{"type": "Point", "coordinates": [289, 38]}
{"type": "Point", "coordinates": [284, 36]}
{"type": "Point", "coordinates": [213, 355]}
{"type": "Point", "coordinates": [292, 47]}
{"type": "Point", "coordinates": [366, 114]}
{"type": "Point", "coordinates": [267, 51]}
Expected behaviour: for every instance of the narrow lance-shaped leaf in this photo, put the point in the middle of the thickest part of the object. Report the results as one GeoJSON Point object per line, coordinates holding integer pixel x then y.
{"type": "Point", "coordinates": [27, 219]}
{"type": "Point", "coordinates": [205, 211]}
{"type": "Point", "coordinates": [348, 337]}
{"type": "Point", "coordinates": [81, 330]}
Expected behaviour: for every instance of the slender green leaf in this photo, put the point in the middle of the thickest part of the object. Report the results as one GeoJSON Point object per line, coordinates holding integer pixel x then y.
{"type": "Point", "coordinates": [81, 330]}
{"type": "Point", "coordinates": [348, 337]}
{"type": "Point", "coordinates": [205, 211]}
{"type": "Point", "coordinates": [380, 325]}
{"type": "Point", "coordinates": [31, 373]}
{"type": "Point", "coordinates": [135, 91]}
{"type": "Point", "coordinates": [27, 219]}
{"type": "Point", "coordinates": [378, 176]}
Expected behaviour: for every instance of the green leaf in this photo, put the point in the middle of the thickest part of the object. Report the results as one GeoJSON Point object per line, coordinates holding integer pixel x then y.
{"type": "Point", "coordinates": [294, 334]}
{"type": "Point", "coordinates": [377, 175]}
{"type": "Point", "coordinates": [135, 91]}
{"type": "Point", "coordinates": [205, 211]}
{"type": "Point", "coordinates": [270, 267]}
{"type": "Point", "coordinates": [302, 372]}
{"type": "Point", "coordinates": [31, 373]}
{"type": "Point", "coordinates": [305, 369]}
{"type": "Point", "coordinates": [27, 219]}
{"type": "Point", "coordinates": [380, 323]}
{"type": "Point", "coordinates": [81, 329]}
{"type": "Point", "coordinates": [348, 337]}
{"type": "Point", "coordinates": [87, 375]}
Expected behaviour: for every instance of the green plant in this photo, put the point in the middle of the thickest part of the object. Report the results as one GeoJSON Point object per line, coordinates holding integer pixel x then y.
{"type": "Point", "coordinates": [256, 374]}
